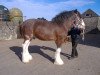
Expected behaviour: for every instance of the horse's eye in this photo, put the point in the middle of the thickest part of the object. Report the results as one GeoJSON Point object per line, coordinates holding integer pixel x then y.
{"type": "Point", "coordinates": [74, 22]}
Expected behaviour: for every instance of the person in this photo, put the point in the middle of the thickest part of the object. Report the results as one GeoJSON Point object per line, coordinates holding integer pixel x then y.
{"type": "Point", "coordinates": [74, 33]}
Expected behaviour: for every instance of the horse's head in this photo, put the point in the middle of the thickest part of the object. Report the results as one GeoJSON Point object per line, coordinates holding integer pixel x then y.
{"type": "Point", "coordinates": [70, 18]}
{"type": "Point", "coordinates": [78, 22]}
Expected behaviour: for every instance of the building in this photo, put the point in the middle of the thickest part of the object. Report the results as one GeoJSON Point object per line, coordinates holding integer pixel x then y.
{"type": "Point", "coordinates": [89, 13]}
{"type": "Point", "coordinates": [91, 20]}
{"type": "Point", "coordinates": [4, 13]}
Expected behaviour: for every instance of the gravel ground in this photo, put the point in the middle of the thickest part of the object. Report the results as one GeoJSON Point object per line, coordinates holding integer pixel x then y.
{"type": "Point", "coordinates": [88, 62]}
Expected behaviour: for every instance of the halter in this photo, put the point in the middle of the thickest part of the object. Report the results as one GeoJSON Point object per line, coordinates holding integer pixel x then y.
{"type": "Point", "coordinates": [79, 23]}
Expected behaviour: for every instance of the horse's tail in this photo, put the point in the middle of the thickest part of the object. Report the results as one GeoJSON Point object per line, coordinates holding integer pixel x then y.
{"type": "Point", "coordinates": [20, 31]}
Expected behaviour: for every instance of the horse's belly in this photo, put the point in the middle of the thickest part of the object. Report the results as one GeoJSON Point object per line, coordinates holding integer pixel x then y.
{"type": "Point", "coordinates": [44, 36]}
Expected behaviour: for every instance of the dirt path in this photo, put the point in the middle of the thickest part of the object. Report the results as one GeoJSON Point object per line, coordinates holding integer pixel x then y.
{"type": "Point", "coordinates": [88, 62]}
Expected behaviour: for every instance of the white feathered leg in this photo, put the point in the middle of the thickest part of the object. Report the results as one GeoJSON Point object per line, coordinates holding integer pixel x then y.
{"type": "Point", "coordinates": [30, 57]}
{"type": "Point", "coordinates": [58, 60]}
{"type": "Point", "coordinates": [26, 57]}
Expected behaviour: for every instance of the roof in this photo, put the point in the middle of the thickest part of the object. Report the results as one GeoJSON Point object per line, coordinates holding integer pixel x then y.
{"type": "Point", "coordinates": [2, 7]}
{"type": "Point", "coordinates": [3, 10]}
{"type": "Point", "coordinates": [91, 12]}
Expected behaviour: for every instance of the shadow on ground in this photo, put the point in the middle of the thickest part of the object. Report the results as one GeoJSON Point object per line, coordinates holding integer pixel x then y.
{"type": "Point", "coordinates": [36, 49]}
{"type": "Point", "coordinates": [91, 40]}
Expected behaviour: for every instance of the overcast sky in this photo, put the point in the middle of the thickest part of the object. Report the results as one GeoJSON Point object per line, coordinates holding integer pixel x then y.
{"type": "Point", "coordinates": [49, 8]}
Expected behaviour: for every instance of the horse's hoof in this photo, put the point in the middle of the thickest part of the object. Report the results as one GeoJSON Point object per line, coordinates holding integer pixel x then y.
{"type": "Point", "coordinates": [59, 63]}
{"type": "Point", "coordinates": [70, 58]}
{"type": "Point", "coordinates": [30, 57]}
{"type": "Point", "coordinates": [25, 61]}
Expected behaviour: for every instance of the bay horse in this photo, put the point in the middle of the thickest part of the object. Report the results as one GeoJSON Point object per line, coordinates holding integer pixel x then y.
{"type": "Point", "coordinates": [57, 30]}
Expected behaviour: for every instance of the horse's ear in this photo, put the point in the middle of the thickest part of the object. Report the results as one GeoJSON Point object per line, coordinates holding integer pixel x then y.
{"type": "Point", "coordinates": [75, 11]}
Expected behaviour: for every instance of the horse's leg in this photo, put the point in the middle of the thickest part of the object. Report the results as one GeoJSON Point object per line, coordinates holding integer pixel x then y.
{"type": "Point", "coordinates": [26, 57]}
{"type": "Point", "coordinates": [74, 53]}
{"type": "Point", "coordinates": [58, 60]}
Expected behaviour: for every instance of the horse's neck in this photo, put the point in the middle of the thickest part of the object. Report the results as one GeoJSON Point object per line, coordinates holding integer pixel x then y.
{"type": "Point", "coordinates": [67, 25]}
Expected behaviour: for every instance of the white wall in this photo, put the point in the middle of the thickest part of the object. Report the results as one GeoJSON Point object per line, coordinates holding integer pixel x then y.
{"type": "Point", "coordinates": [91, 23]}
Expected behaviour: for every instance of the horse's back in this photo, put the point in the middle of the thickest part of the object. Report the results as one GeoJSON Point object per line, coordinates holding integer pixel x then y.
{"type": "Point", "coordinates": [36, 27]}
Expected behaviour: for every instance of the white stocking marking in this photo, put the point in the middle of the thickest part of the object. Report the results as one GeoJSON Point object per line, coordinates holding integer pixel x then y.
{"type": "Point", "coordinates": [58, 59]}
{"type": "Point", "coordinates": [25, 55]}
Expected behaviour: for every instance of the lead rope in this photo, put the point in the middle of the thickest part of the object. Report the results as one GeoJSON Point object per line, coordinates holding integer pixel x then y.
{"type": "Point", "coordinates": [83, 35]}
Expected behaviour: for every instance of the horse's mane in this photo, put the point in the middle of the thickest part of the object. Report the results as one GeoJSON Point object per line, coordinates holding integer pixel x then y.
{"type": "Point", "coordinates": [59, 19]}
{"type": "Point", "coordinates": [42, 19]}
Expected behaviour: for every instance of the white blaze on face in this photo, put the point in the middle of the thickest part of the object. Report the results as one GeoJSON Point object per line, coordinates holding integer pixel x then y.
{"type": "Point", "coordinates": [82, 24]}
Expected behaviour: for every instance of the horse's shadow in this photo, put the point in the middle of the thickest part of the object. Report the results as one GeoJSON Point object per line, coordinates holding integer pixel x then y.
{"type": "Point", "coordinates": [36, 49]}
{"type": "Point", "coordinates": [17, 50]}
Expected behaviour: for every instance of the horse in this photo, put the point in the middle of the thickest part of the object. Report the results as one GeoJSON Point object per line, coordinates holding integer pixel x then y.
{"type": "Point", "coordinates": [55, 30]}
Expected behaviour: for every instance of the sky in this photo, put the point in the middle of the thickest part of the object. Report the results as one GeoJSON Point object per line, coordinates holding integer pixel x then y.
{"type": "Point", "coordinates": [49, 8]}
